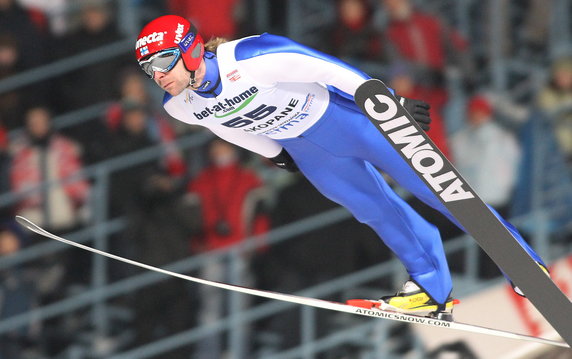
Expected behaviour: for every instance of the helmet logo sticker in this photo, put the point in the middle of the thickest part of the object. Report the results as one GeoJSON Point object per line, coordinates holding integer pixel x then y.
{"type": "Point", "coordinates": [151, 38]}
{"type": "Point", "coordinates": [179, 33]}
{"type": "Point", "coordinates": [144, 51]}
{"type": "Point", "coordinates": [187, 41]}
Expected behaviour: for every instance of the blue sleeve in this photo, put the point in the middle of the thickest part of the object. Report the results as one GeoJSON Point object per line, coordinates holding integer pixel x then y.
{"type": "Point", "coordinates": [166, 98]}
{"type": "Point", "coordinates": [275, 58]}
{"type": "Point", "coordinates": [272, 44]}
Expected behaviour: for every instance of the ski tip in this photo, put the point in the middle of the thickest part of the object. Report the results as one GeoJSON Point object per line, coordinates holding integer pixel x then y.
{"type": "Point", "coordinates": [361, 303]}
{"type": "Point", "coordinates": [456, 301]}
{"type": "Point", "coordinates": [26, 223]}
{"type": "Point", "coordinates": [22, 221]}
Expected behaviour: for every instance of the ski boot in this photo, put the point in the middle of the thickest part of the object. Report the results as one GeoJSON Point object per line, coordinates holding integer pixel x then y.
{"type": "Point", "coordinates": [411, 299]}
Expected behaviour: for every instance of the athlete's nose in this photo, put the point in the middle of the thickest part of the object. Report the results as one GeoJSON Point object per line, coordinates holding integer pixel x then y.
{"type": "Point", "coordinates": [158, 74]}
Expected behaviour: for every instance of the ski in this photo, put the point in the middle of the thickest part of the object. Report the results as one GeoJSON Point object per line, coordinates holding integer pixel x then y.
{"type": "Point", "coordinates": [317, 303]}
{"type": "Point", "coordinates": [416, 148]}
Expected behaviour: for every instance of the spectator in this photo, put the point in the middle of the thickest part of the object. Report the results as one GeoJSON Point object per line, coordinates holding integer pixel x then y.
{"type": "Point", "coordinates": [130, 136]}
{"type": "Point", "coordinates": [26, 29]}
{"type": "Point", "coordinates": [126, 195]}
{"type": "Point", "coordinates": [544, 170]}
{"type": "Point", "coordinates": [146, 194]}
{"type": "Point", "coordinates": [353, 36]}
{"type": "Point", "coordinates": [130, 87]}
{"type": "Point", "coordinates": [274, 20]}
{"type": "Point", "coordinates": [88, 85]}
{"type": "Point", "coordinates": [18, 294]}
{"type": "Point", "coordinates": [222, 189]}
{"type": "Point", "coordinates": [402, 80]}
{"type": "Point", "coordinates": [227, 193]}
{"type": "Point", "coordinates": [215, 18]}
{"type": "Point", "coordinates": [55, 12]}
{"type": "Point", "coordinates": [426, 42]}
{"type": "Point", "coordinates": [41, 154]}
{"type": "Point", "coordinates": [5, 162]}
{"type": "Point", "coordinates": [159, 231]}
{"type": "Point", "coordinates": [133, 92]}
{"type": "Point", "coordinates": [12, 102]}
{"type": "Point", "coordinates": [487, 155]}
{"type": "Point", "coordinates": [555, 99]}
{"type": "Point", "coordinates": [536, 26]}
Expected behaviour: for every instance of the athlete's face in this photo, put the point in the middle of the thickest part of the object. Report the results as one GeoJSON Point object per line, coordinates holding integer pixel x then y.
{"type": "Point", "coordinates": [176, 80]}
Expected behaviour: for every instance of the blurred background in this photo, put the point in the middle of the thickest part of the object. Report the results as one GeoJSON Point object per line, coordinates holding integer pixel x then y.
{"type": "Point", "coordinates": [87, 152]}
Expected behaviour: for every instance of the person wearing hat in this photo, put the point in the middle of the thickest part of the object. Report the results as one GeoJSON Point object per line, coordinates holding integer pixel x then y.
{"type": "Point", "coordinates": [499, 153]}
{"type": "Point", "coordinates": [555, 99]}
{"type": "Point", "coordinates": [294, 105]}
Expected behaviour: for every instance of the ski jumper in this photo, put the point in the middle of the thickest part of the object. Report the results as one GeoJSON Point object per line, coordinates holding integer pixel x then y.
{"type": "Point", "coordinates": [275, 93]}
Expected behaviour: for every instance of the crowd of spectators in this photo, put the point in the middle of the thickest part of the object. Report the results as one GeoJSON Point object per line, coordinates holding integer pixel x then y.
{"type": "Point", "coordinates": [211, 198]}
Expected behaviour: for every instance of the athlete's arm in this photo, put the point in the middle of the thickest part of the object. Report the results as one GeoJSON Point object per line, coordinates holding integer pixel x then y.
{"type": "Point", "coordinates": [271, 59]}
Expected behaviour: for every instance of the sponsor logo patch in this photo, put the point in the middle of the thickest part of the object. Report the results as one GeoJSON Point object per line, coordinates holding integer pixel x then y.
{"type": "Point", "coordinates": [149, 39]}
{"type": "Point", "coordinates": [179, 33]}
{"type": "Point", "coordinates": [187, 41]}
{"type": "Point", "coordinates": [228, 106]}
{"type": "Point", "coordinates": [233, 76]}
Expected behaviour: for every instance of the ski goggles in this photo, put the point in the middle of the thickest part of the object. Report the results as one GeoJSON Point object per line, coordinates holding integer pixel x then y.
{"type": "Point", "coordinates": [163, 61]}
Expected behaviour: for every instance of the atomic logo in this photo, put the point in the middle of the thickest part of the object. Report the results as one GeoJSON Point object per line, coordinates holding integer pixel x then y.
{"type": "Point", "coordinates": [421, 154]}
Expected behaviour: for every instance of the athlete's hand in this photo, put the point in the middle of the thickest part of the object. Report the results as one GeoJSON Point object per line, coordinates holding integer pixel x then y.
{"type": "Point", "coordinates": [418, 109]}
{"type": "Point", "coordinates": [285, 161]}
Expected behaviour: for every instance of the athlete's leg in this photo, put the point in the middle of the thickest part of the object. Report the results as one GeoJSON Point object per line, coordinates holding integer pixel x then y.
{"type": "Point", "coordinates": [359, 187]}
{"type": "Point", "coordinates": [375, 149]}
{"type": "Point", "coordinates": [392, 164]}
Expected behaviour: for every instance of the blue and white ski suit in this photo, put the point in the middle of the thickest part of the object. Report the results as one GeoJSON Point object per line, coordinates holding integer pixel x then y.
{"type": "Point", "coordinates": [274, 93]}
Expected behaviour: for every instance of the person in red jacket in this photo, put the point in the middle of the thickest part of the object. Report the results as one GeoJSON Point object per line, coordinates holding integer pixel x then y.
{"type": "Point", "coordinates": [223, 189]}
{"type": "Point", "coordinates": [421, 38]}
{"type": "Point", "coordinates": [353, 36]}
{"type": "Point", "coordinates": [214, 17]}
{"type": "Point", "coordinates": [228, 194]}
{"type": "Point", "coordinates": [429, 46]}
{"type": "Point", "coordinates": [403, 81]}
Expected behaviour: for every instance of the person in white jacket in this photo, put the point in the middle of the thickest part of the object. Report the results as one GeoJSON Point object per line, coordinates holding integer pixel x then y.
{"type": "Point", "coordinates": [499, 153]}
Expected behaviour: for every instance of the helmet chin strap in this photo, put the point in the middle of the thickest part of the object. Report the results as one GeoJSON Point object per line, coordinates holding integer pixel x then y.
{"type": "Point", "coordinates": [192, 80]}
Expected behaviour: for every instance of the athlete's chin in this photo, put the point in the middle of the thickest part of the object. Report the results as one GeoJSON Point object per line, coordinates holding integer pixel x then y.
{"type": "Point", "coordinates": [173, 90]}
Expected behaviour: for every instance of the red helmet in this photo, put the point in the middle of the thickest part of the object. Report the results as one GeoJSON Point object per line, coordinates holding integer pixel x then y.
{"type": "Point", "coordinates": [167, 32]}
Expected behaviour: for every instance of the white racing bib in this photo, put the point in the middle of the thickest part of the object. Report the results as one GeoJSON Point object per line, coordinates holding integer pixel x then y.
{"type": "Point", "coordinates": [278, 111]}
